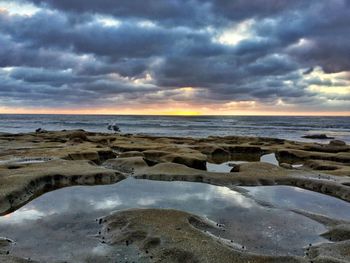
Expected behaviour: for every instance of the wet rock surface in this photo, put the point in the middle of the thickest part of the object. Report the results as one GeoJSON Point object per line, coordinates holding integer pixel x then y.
{"type": "Point", "coordinates": [72, 218]}
{"type": "Point", "coordinates": [321, 136]}
{"type": "Point", "coordinates": [34, 163]}
{"type": "Point", "coordinates": [175, 236]}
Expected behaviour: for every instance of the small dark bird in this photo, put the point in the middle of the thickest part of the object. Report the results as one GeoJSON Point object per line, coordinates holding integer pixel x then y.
{"type": "Point", "coordinates": [113, 127]}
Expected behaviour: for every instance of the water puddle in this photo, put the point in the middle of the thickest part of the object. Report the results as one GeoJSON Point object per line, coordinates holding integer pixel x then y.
{"type": "Point", "coordinates": [269, 158]}
{"type": "Point", "coordinates": [25, 160]}
{"type": "Point", "coordinates": [296, 166]}
{"type": "Point", "coordinates": [225, 167]}
{"type": "Point", "coordinates": [222, 167]}
{"type": "Point", "coordinates": [297, 198]}
{"type": "Point", "coordinates": [68, 216]}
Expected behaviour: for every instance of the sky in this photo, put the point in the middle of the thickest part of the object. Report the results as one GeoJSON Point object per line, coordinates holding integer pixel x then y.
{"type": "Point", "coordinates": [176, 57]}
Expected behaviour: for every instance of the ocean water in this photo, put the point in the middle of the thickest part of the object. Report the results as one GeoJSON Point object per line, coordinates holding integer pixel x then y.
{"type": "Point", "coordinates": [283, 127]}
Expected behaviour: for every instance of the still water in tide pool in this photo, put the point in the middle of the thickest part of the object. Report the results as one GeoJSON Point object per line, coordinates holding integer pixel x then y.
{"type": "Point", "coordinates": [226, 167]}
{"type": "Point", "coordinates": [61, 225]}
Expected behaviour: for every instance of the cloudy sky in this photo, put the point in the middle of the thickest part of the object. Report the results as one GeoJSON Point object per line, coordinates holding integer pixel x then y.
{"type": "Point", "coordinates": [175, 56]}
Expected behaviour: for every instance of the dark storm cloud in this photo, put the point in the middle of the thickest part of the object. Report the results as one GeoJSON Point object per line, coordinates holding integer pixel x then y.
{"type": "Point", "coordinates": [132, 67]}
{"type": "Point", "coordinates": [323, 26]}
{"type": "Point", "coordinates": [51, 77]}
{"type": "Point", "coordinates": [56, 32]}
{"type": "Point", "coordinates": [17, 54]}
{"type": "Point", "coordinates": [63, 89]}
{"type": "Point", "coordinates": [184, 12]}
{"type": "Point", "coordinates": [94, 52]}
{"type": "Point", "coordinates": [178, 12]}
{"type": "Point", "coordinates": [242, 9]}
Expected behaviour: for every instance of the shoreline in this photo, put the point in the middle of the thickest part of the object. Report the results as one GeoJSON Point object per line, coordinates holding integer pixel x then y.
{"type": "Point", "coordinates": [287, 127]}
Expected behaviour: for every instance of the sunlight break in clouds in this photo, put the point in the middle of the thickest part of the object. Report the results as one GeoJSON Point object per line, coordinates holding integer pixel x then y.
{"type": "Point", "coordinates": [237, 33]}
{"type": "Point", "coordinates": [14, 8]}
{"type": "Point", "coordinates": [329, 84]}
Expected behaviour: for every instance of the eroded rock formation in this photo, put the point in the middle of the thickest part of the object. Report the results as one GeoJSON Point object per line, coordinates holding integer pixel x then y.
{"type": "Point", "coordinates": [34, 163]}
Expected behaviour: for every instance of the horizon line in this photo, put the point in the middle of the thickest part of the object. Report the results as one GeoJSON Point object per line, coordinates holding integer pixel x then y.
{"type": "Point", "coordinates": [179, 115]}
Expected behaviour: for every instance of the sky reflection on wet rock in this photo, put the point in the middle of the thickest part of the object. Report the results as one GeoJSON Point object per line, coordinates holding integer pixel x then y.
{"type": "Point", "coordinates": [71, 213]}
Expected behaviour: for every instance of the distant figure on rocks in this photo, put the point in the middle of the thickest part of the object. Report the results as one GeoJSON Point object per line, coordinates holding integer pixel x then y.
{"type": "Point", "coordinates": [113, 127]}
{"type": "Point", "coordinates": [40, 130]}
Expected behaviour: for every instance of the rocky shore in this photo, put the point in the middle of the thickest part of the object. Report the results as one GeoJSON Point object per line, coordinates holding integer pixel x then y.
{"type": "Point", "coordinates": [34, 163]}
{"type": "Point", "coordinates": [175, 236]}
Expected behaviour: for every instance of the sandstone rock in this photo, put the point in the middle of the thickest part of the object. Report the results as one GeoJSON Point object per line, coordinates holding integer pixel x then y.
{"type": "Point", "coordinates": [288, 155]}
{"type": "Point", "coordinates": [337, 143]}
{"type": "Point", "coordinates": [245, 149]}
{"type": "Point", "coordinates": [169, 158]}
{"type": "Point", "coordinates": [217, 154]}
{"type": "Point", "coordinates": [171, 169]}
{"type": "Point", "coordinates": [180, 158]}
{"type": "Point", "coordinates": [78, 136]}
{"type": "Point", "coordinates": [5, 244]}
{"type": "Point", "coordinates": [321, 136]}
{"type": "Point", "coordinates": [286, 165]}
{"type": "Point", "coordinates": [131, 154]}
{"type": "Point", "coordinates": [186, 160]}
{"type": "Point", "coordinates": [18, 186]}
{"type": "Point", "coordinates": [235, 168]}
{"type": "Point", "coordinates": [261, 169]}
{"type": "Point", "coordinates": [154, 154]}
{"type": "Point", "coordinates": [12, 259]}
{"type": "Point", "coordinates": [91, 156]}
{"type": "Point", "coordinates": [321, 165]}
{"type": "Point", "coordinates": [126, 164]}
{"type": "Point", "coordinates": [173, 236]}
{"type": "Point", "coordinates": [331, 252]}
{"type": "Point", "coordinates": [338, 233]}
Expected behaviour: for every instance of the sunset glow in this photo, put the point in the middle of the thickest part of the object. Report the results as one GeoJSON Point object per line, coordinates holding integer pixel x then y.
{"type": "Point", "coordinates": [200, 111]}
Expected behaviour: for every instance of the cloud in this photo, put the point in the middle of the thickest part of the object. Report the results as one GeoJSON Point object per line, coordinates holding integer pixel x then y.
{"type": "Point", "coordinates": [101, 53]}
{"type": "Point", "coordinates": [168, 13]}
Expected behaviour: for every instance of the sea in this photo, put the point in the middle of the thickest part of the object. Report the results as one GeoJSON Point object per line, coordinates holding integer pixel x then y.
{"type": "Point", "coordinates": [284, 127]}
